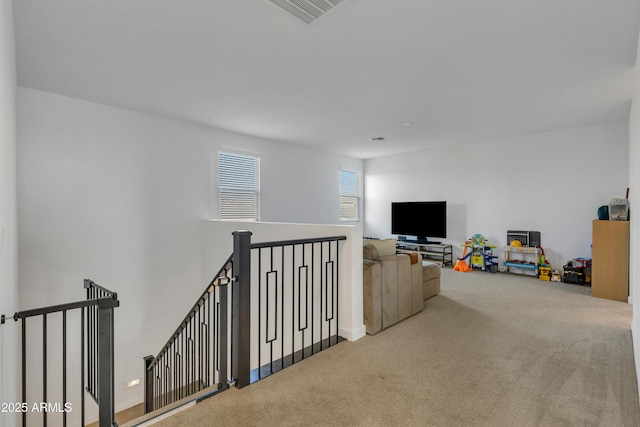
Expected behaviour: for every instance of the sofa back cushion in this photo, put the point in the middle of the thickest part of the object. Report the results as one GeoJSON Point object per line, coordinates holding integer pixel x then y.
{"type": "Point", "coordinates": [369, 251]}
{"type": "Point", "coordinates": [373, 249]}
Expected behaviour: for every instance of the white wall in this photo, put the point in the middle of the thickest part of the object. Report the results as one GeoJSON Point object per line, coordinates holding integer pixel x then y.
{"type": "Point", "coordinates": [634, 192]}
{"type": "Point", "coordinates": [8, 206]}
{"type": "Point", "coordinates": [120, 197]}
{"type": "Point", "coordinates": [551, 182]}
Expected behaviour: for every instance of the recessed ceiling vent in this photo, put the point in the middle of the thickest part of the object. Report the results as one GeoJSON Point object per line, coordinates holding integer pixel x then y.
{"type": "Point", "coordinates": [306, 10]}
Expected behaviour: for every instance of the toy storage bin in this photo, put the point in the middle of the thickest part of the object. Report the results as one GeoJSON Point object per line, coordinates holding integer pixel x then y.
{"type": "Point", "coordinates": [619, 209]}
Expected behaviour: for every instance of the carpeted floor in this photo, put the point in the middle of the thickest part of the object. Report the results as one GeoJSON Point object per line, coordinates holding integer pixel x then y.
{"type": "Point", "coordinates": [490, 350]}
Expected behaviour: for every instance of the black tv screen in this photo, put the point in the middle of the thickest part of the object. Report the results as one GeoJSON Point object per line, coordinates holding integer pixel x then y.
{"type": "Point", "coordinates": [421, 219]}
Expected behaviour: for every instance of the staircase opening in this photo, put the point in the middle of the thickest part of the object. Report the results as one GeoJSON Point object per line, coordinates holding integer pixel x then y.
{"type": "Point", "coordinates": [271, 305]}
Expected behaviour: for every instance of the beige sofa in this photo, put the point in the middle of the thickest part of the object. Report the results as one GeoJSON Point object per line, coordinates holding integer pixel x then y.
{"type": "Point", "coordinates": [430, 279]}
{"type": "Point", "coordinates": [393, 286]}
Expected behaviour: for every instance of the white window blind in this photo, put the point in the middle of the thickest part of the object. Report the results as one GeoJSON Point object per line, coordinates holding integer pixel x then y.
{"type": "Point", "coordinates": [349, 195]}
{"type": "Point", "coordinates": [239, 181]}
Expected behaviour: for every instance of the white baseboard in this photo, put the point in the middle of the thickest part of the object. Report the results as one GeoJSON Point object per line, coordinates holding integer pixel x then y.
{"type": "Point", "coordinates": [630, 300]}
{"type": "Point", "coordinates": [635, 342]}
{"type": "Point", "coordinates": [353, 335]}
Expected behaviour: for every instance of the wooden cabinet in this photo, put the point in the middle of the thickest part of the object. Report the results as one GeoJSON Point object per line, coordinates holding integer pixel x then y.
{"type": "Point", "coordinates": [610, 266]}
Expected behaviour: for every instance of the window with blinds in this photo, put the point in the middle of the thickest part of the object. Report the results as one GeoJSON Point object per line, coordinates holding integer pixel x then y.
{"type": "Point", "coordinates": [239, 182]}
{"type": "Point", "coordinates": [349, 195]}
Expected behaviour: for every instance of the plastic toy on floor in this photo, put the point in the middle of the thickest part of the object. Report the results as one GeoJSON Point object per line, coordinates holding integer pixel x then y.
{"type": "Point", "coordinates": [543, 258]}
{"type": "Point", "coordinates": [544, 273]}
{"type": "Point", "coordinates": [544, 269]}
{"type": "Point", "coordinates": [480, 256]}
{"type": "Point", "coordinates": [461, 265]}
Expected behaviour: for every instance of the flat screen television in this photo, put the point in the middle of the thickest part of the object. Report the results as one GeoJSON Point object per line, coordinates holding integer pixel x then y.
{"type": "Point", "coordinates": [424, 220]}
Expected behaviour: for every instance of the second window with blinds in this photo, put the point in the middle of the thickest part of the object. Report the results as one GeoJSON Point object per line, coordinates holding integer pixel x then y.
{"type": "Point", "coordinates": [349, 195]}
{"type": "Point", "coordinates": [239, 186]}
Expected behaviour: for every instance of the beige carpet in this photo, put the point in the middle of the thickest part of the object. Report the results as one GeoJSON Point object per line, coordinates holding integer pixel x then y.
{"type": "Point", "coordinates": [490, 350]}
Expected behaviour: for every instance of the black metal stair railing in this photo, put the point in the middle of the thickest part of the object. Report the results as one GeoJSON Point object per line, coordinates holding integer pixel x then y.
{"type": "Point", "coordinates": [293, 286]}
{"type": "Point", "coordinates": [96, 349]}
{"type": "Point", "coordinates": [93, 321]}
{"type": "Point", "coordinates": [195, 357]}
{"type": "Point", "coordinates": [297, 316]}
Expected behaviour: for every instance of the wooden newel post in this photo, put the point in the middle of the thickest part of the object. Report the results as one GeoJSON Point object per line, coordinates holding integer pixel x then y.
{"type": "Point", "coordinates": [241, 309]}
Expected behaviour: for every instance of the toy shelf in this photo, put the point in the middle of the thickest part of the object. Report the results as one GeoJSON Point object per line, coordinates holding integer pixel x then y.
{"type": "Point", "coordinates": [520, 265]}
{"type": "Point", "coordinates": [522, 259]}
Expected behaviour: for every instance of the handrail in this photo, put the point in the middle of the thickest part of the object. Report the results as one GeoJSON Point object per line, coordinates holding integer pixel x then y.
{"type": "Point", "coordinates": [203, 298]}
{"type": "Point", "coordinates": [296, 242]}
{"type": "Point", "coordinates": [62, 307]}
{"type": "Point", "coordinates": [96, 319]}
{"type": "Point", "coordinates": [88, 283]}
{"type": "Point", "coordinates": [110, 296]}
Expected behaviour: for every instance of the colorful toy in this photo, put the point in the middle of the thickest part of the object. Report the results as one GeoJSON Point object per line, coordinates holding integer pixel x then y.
{"type": "Point", "coordinates": [480, 255]}
{"type": "Point", "coordinates": [461, 265]}
{"type": "Point", "coordinates": [585, 264]}
{"type": "Point", "coordinates": [556, 276]}
{"type": "Point", "coordinates": [577, 271]}
{"type": "Point", "coordinates": [544, 273]}
{"type": "Point", "coordinates": [544, 270]}
{"type": "Point", "coordinates": [543, 260]}
{"type": "Point", "coordinates": [581, 262]}
{"type": "Point", "coordinates": [573, 274]}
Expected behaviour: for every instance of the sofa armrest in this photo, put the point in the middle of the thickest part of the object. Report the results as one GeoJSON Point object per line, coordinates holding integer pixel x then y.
{"type": "Point", "coordinates": [372, 295]}
{"type": "Point", "coordinates": [417, 293]}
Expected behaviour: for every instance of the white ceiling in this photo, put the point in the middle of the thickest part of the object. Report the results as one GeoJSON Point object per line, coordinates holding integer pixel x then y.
{"type": "Point", "coordinates": [461, 71]}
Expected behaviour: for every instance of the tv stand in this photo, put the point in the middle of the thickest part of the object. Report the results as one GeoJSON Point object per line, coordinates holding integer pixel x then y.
{"type": "Point", "coordinates": [440, 253]}
{"type": "Point", "coordinates": [420, 241]}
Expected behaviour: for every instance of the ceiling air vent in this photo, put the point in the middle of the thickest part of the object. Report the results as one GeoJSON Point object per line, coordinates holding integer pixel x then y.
{"type": "Point", "coordinates": [306, 10]}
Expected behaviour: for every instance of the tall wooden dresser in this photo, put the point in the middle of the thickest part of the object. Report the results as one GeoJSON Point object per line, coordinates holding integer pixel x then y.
{"type": "Point", "coordinates": [610, 266]}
